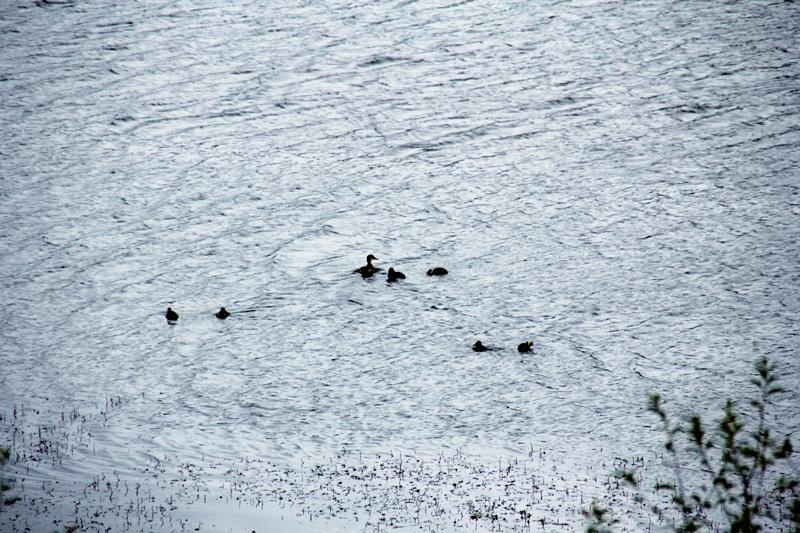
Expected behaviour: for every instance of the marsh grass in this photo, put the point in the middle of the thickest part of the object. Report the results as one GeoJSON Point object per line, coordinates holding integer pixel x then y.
{"type": "Point", "coordinates": [538, 491]}
{"type": "Point", "coordinates": [452, 491]}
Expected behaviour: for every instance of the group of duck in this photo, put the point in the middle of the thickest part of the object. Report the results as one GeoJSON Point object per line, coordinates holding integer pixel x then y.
{"type": "Point", "coordinates": [368, 271]}
{"type": "Point", "coordinates": [172, 316]}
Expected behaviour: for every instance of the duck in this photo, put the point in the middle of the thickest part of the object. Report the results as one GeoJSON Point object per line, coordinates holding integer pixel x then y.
{"type": "Point", "coordinates": [394, 275]}
{"type": "Point", "coordinates": [171, 315]}
{"type": "Point", "coordinates": [222, 314]}
{"type": "Point", "coordinates": [525, 347]}
{"type": "Point", "coordinates": [369, 269]}
{"type": "Point", "coordinates": [437, 271]}
{"type": "Point", "coordinates": [479, 347]}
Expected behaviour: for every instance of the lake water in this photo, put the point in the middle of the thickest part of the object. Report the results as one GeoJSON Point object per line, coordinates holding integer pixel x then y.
{"type": "Point", "coordinates": [618, 182]}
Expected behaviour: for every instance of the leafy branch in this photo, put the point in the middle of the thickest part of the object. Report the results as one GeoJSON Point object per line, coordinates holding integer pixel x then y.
{"type": "Point", "coordinates": [736, 465]}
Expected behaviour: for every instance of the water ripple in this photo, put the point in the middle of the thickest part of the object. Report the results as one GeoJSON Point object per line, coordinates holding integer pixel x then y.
{"type": "Point", "coordinates": [616, 182]}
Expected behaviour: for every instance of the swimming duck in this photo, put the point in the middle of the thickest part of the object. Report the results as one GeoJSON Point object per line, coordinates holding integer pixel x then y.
{"type": "Point", "coordinates": [525, 347]}
{"type": "Point", "coordinates": [437, 271]}
{"type": "Point", "coordinates": [479, 347]}
{"type": "Point", "coordinates": [171, 315]}
{"type": "Point", "coordinates": [222, 314]}
{"type": "Point", "coordinates": [394, 275]}
{"type": "Point", "coordinates": [367, 270]}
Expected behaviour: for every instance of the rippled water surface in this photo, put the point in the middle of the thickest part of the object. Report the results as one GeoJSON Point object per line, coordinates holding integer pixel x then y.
{"type": "Point", "coordinates": [619, 182]}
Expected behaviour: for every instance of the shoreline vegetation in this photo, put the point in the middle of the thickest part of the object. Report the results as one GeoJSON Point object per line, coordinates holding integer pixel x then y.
{"type": "Point", "coordinates": [60, 488]}
{"type": "Point", "coordinates": [738, 478]}
{"type": "Point", "coordinates": [47, 485]}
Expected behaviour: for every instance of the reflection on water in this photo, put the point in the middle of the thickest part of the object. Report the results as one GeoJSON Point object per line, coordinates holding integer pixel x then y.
{"type": "Point", "coordinates": [616, 182]}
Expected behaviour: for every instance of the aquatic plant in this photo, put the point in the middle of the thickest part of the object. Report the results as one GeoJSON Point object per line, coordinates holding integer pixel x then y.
{"type": "Point", "coordinates": [741, 488]}
{"type": "Point", "coordinates": [598, 522]}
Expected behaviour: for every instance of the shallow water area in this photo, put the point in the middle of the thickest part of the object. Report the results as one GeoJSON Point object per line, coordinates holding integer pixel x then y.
{"type": "Point", "coordinates": [617, 182]}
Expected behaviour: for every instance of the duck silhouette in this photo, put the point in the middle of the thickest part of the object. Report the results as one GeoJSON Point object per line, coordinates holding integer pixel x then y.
{"type": "Point", "coordinates": [437, 271]}
{"type": "Point", "coordinates": [369, 269]}
{"type": "Point", "coordinates": [222, 314]}
{"type": "Point", "coordinates": [479, 347]}
{"type": "Point", "coordinates": [525, 347]}
{"type": "Point", "coordinates": [394, 275]}
{"type": "Point", "coordinates": [171, 315]}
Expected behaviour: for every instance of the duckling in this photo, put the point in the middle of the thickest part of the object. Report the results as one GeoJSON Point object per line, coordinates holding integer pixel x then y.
{"type": "Point", "coordinates": [525, 347]}
{"type": "Point", "coordinates": [437, 271]}
{"type": "Point", "coordinates": [368, 269]}
{"type": "Point", "coordinates": [479, 347]}
{"type": "Point", "coordinates": [171, 315]}
{"type": "Point", "coordinates": [394, 275]}
{"type": "Point", "coordinates": [222, 314]}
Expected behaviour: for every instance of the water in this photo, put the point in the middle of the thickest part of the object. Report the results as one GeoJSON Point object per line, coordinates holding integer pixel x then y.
{"type": "Point", "coordinates": [617, 182]}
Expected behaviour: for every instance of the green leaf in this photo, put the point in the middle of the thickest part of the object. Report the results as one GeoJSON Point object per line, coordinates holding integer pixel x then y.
{"type": "Point", "coordinates": [696, 430]}
{"type": "Point", "coordinates": [748, 451]}
{"type": "Point", "coordinates": [723, 482]}
{"type": "Point", "coordinates": [627, 476]}
{"type": "Point", "coordinates": [762, 367]}
{"type": "Point", "coordinates": [785, 450]}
